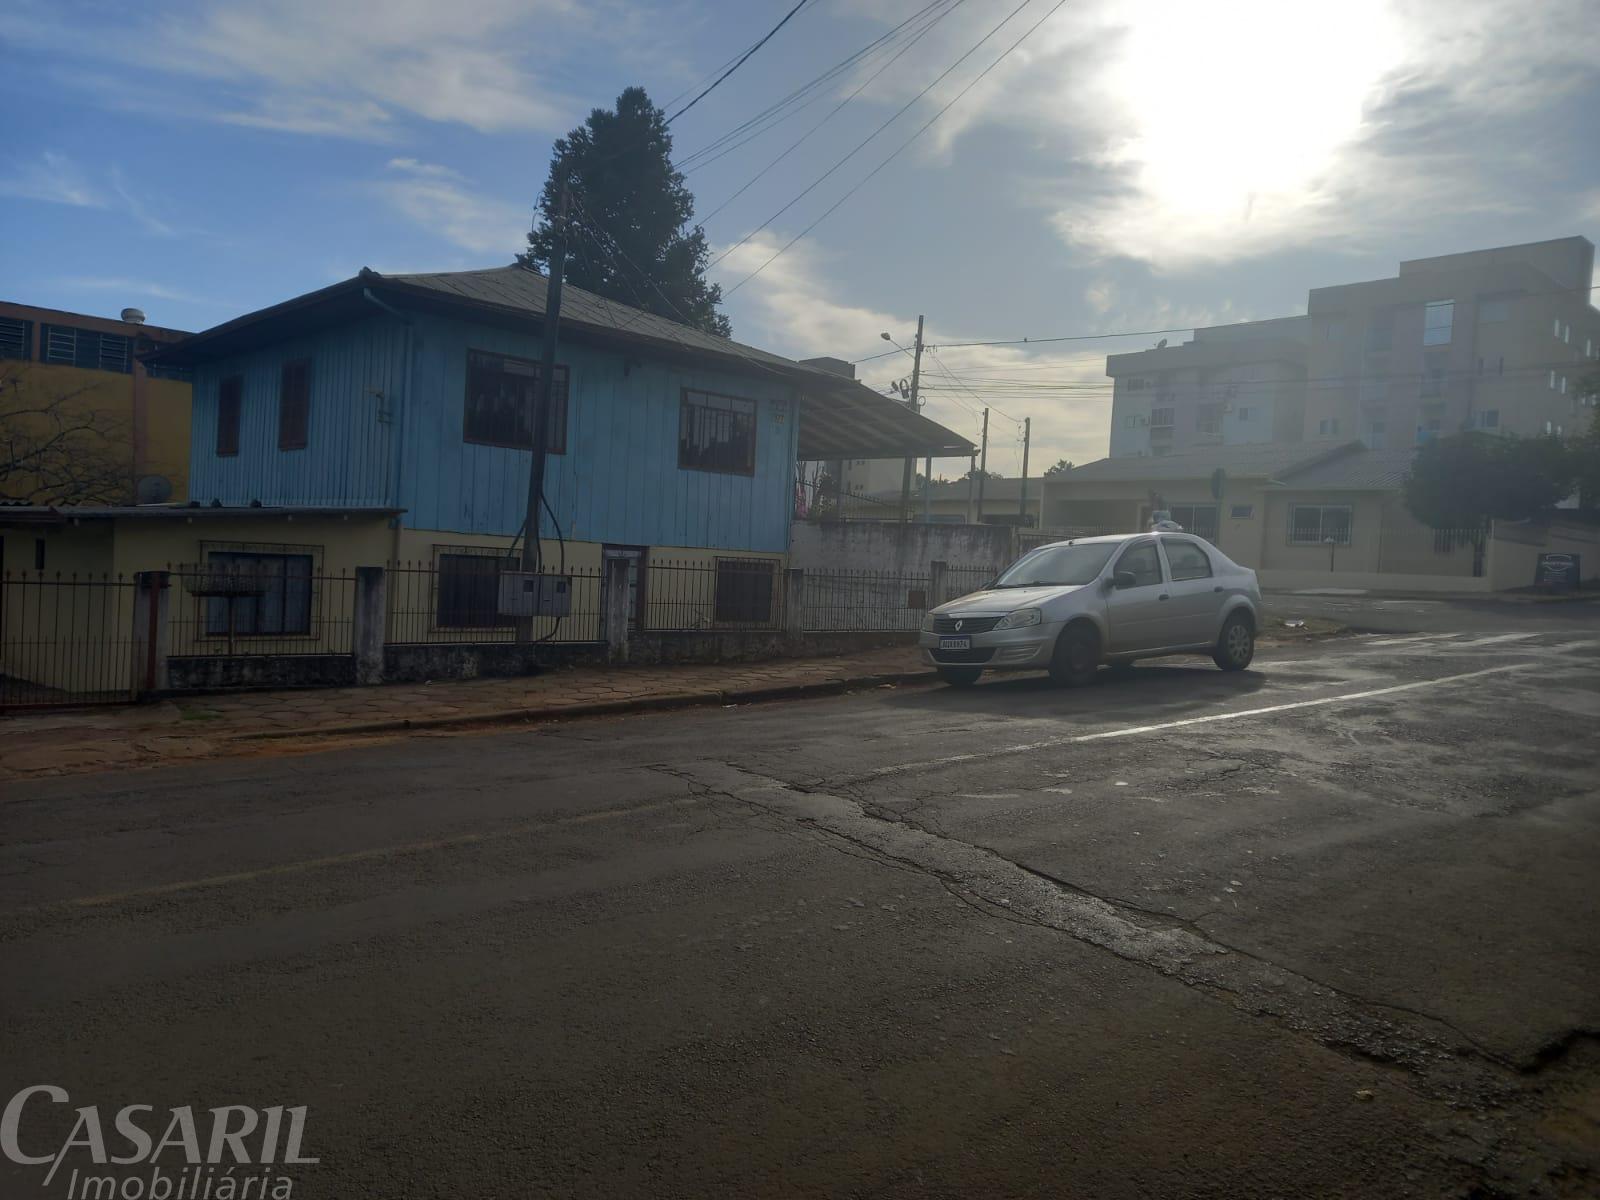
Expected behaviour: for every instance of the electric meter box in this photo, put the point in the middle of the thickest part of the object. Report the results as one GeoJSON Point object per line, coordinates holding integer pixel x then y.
{"type": "Point", "coordinates": [526, 594]}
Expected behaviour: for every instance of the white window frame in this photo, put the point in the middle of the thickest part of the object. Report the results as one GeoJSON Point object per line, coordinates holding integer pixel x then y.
{"type": "Point", "coordinates": [1431, 328]}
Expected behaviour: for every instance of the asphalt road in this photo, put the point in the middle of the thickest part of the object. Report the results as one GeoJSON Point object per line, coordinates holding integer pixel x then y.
{"type": "Point", "coordinates": [1326, 928]}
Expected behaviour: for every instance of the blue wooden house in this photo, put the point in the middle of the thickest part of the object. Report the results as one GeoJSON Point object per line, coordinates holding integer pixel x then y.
{"type": "Point", "coordinates": [416, 393]}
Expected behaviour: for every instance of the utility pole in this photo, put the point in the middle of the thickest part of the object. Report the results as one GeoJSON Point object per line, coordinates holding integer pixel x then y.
{"type": "Point", "coordinates": [972, 482]}
{"type": "Point", "coordinates": [911, 403]}
{"type": "Point", "coordinates": [543, 389]}
{"type": "Point", "coordinates": [983, 464]}
{"type": "Point", "coordinates": [1027, 437]}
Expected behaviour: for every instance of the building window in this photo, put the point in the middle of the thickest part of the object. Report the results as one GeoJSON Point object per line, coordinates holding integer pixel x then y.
{"type": "Point", "coordinates": [1242, 512]}
{"type": "Point", "coordinates": [1328, 426]}
{"type": "Point", "coordinates": [73, 347]}
{"type": "Point", "coordinates": [294, 405]}
{"type": "Point", "coordinates": [469, 592]}
{"type": "Point", "coordinates": [1566, 333]}
{"type": "Point", "coordinates": [1433, 375]}
{"type": "Point", "coordinates": [717, 433]}
{"type": "Point", "coordinates": [1208, 419]}
{"type": "Point", "coordinates": [1198, 519]}
{"type": "Point", "coordinates": [1314, 524]}
{"type": "Point", "coordinates": [1487, 418]}
{"type": "Point", "coordinates": [1552, 381]}
{"type": "Point", "coordinates": [284, 602]}
{"type": "Point", "coordinates": [744, 590]}
{"type": "Point", "coordinates": [1186, 560]}
{"type": "Point", "coordinates": [502, 393]}
{"type": "Point", "coordinates": [1130, 421]}
{"type": "Point", "coordinates": [1161, 418]}
{"type": "Point", "coordinates": [16, 339]}
{"type": "Point", "coordinates": [1493, 312]}
{"type": "Point", "coordinates": [1333, 331]}
{"type": "Point", "coordinates": [1138, 384]}
{"type": "Point", "coordinates": [229, 394]}
{"type": "Point", "coordinates": [1437, 317]}
{"type": "Point", "coordinates": [1243, 413]}
{"type": "Point", "coordinates": [1557, 330]}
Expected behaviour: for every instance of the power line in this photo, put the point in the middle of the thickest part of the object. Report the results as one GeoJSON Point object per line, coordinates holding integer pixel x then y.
{"type": "Point", "coordinates": [754, 179]}
{"type": "Point", "coordinates": [739, 62]}
{"type": "Point", "coordinates": [769, 116]}
{"type": "Point", "coordinates": [861, 145]}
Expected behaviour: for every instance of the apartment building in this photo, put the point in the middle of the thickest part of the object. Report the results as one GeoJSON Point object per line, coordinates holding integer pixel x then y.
{"type": "Point", "coordinates": [1231, 385]}
{"type": "Point", "coordinates": [1495, 340]}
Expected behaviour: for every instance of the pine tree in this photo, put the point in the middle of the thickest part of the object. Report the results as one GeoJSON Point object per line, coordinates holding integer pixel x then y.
{"type": "Point", "coordinates": [630, 239]}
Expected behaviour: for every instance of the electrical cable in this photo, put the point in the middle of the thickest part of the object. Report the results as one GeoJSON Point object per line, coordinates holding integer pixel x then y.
{"type": "Point", "coordinates": [903, 145]}
{"type": "Point", "coordinates": [742, 59]}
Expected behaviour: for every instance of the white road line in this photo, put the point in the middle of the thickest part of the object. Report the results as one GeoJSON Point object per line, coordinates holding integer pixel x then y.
{"type": "Point", "coordinates": [1134, 730]}
{"type": "Point", "coordinates": [1489, 641]}
{"type": "Point", "coordinates": [1421, 637]}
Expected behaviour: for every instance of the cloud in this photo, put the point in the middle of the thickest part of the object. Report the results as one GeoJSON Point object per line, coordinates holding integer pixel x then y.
{"type": "Point", "coordinates": [440, 199]}
{"type": "Point", "coordinates": [349, 69]}
{"type": "Point", "coordinates": [53, 179]}
{"type": "Point", "coordinates": [131, 289]}
{"type": "Point", "coordinates": [793, 308]}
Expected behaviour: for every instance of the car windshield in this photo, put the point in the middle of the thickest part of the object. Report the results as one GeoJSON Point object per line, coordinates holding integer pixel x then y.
{"type": "Point", "coordinates": [1057, 566]}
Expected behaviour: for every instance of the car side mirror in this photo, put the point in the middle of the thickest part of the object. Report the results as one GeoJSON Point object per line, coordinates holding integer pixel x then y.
{"type": "Point", "coordinates": [1124, 579]}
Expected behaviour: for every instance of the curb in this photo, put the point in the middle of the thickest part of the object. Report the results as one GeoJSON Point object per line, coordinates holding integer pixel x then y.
{"type": "Point", "coordinates": [596, 708]}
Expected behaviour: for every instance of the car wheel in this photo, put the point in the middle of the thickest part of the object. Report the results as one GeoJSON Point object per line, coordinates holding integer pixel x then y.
{"type": "Point", "coordinates": [1236, 645]}
{"type": "Point", "coordinates": [1077, 656]}
{"type": "Point", "coordinates": [959, 676]}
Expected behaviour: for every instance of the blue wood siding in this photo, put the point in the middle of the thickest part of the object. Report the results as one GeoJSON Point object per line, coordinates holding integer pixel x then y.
{"type": "Point", "coordinates": [619, 480]}
{"type": "Point", "coordinates": [357, 390]}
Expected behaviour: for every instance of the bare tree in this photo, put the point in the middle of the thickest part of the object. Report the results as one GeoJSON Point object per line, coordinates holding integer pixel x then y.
{"type": "Point", "coordinates": [57, 446]}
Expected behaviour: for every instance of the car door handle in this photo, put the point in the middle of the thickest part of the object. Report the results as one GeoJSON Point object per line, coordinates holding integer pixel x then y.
{"type": "Point", "coordinates": [1216, 589]}
{"type": "Point", "coordinates": [1163, 596]}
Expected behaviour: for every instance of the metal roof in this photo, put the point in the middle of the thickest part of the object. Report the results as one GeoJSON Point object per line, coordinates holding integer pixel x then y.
{"type": "Point", "coordinates": [839, 417]}
{"type": "Point", "coordinates": [1365, 471]}
{"type": "Point", "coordinates": [1266, 460]}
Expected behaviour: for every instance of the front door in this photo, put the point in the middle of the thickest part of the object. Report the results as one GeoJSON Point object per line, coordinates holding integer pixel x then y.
{"type": "Point", "coordinates": [1138, 614]}
{"type": "Point", "coordinates": [635, 556]}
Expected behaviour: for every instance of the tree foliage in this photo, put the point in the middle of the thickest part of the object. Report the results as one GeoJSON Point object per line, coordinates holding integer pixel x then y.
{"type": "Point", "coordinates": [1467, 480]}
{"type": "Point", "coordinates": [1061, 468]}
{"type": "Point", "coordinates": [629, 237]}
{"type": "Point", "coordinates": [57, 446]}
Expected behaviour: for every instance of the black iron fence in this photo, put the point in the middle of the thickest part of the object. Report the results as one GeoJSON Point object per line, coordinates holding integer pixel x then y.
{"type": "Point", "coordinates": [259, 604]}
{"type": "Point", "coordinates": [720, 594]}
{"type": "Point", "coordinates": [963, 580]}
{"type": "Point", "coordinates": [66, 639]}
{"type": "Point", "coordinates": [477, 598]}
{"type": "Point", "coordinates": [844, 600]}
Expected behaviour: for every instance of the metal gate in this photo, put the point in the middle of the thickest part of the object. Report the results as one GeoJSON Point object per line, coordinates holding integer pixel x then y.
{"type": "Point", "coordinates": [67, 639]}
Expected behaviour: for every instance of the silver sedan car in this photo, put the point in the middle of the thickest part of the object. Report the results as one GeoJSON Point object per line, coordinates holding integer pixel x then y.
{"type": "Point", "coordinates": [1070, 606]}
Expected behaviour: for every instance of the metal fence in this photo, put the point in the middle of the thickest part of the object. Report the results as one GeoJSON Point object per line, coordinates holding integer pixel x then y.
{"type": "Point", "coordinates": [66, 639]}
{"type": "Point", "coordinates": [841, 600]}
{"type": "Point", "coordinates": [456, 600]}
{"type": "Point", "coordinates": [722, 594]}
{"type": "Point", "coordinates": [963, 581]}
{"type": "Point", "coordinates": [259, 605]}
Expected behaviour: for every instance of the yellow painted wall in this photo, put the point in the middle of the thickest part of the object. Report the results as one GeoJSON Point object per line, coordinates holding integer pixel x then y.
{"type": "Point", "coordinates": [1366, 533]}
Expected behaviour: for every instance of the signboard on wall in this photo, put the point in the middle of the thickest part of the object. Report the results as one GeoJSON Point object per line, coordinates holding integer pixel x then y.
{"type": "Point", "coordinates": [1558, 570]}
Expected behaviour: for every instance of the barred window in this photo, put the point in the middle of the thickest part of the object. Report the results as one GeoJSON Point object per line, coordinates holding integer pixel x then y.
{"type": "Point", "coordinates": [717, 433]}
{"type": "Point", "coordinates": [16, 338]}
{"type": "Point", "coordinates": [1314, 524]}
{"type": "Point", "coordinates": [469, 592]}
{"type": "Point", "coordinates": [70, 346]}
{"type": "Point", "coordinates": [502, 393]}
{"type": "Point", "coordinates": [284, 602]}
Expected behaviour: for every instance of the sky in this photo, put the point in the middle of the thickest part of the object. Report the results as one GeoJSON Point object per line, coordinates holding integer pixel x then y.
{"type": "Point", "coordinates": [1122, 168]}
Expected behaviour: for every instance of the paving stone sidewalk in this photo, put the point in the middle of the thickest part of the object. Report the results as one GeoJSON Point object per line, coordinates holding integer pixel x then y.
{"type": "Point", "coordinates": [73, 741]}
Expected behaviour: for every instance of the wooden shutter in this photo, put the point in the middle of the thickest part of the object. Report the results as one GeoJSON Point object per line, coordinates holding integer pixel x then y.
{"type": "Point", "coordinates": [294, 405]}
{"type": "Point", "coordinates": [229, 393]}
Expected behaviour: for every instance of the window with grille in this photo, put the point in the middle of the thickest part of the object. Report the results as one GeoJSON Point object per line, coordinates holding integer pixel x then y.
{"type": "Point", "coordinates": [1314, 524]}
{"type": "Point", "coordinates": [70, 346]}
{"type": "Point", "coordinates": [744, 590]}
{"type": "Point", "coordinates": [294, 405]}
{"type": "Point", "coordinates": [284, 602]}
{"type": "Point", "coordinates": [469, 592]}
{"type": "Point", "coordinates": [1161, 418]}
{"type": "Point", "coordinates": [230, 393]}
{"type": "Point", "coordinates": [1208, 419]}
{"type": "Point", "coordinates": [16, 338]}
{"type": "Point", "coordinates": [502, 395]}
{"type": "Point", "coordinates": [717, 433]}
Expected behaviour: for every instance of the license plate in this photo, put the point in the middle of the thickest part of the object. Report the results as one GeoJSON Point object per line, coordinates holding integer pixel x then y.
{"type": "Point", "coordinates": [960, 643]}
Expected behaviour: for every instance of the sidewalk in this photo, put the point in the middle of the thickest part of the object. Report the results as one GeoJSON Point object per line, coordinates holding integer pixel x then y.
{"type": "Point", "coordinates": [90, 739]}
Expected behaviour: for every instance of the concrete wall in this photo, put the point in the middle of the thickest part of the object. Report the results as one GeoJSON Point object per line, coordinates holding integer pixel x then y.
{"type": "Point", "coordinates": [1515, 548]}
{"type": "Point", "coordinates": [906, 548]}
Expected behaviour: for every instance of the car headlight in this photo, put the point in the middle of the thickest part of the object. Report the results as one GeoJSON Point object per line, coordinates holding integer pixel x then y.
{"type": "Point", "coordinates": [1020, 619]}
{"type": "Point", "coordinates": [927, 623]}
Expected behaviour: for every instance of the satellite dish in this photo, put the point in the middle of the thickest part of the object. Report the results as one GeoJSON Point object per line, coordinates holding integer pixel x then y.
{"type": "Point", "coordinates": [152, 489]}
{"type": "Point", "coordinates": [1162, 344]}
